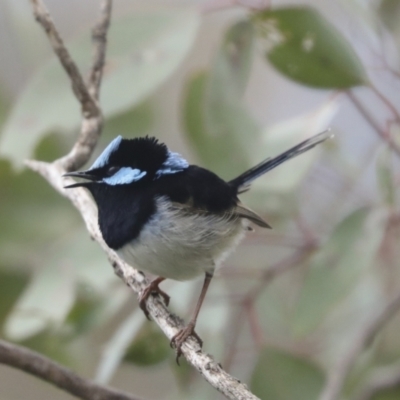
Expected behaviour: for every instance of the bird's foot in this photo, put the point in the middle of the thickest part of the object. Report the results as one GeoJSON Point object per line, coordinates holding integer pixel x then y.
{"type": "Point", "coordinates": [179, 338]}
{"type": "Point", "coordinates": [147, 291]}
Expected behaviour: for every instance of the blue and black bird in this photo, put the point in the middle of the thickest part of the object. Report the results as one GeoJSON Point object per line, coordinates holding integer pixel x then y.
{"type": "Point", "coordinates": [167, 217]}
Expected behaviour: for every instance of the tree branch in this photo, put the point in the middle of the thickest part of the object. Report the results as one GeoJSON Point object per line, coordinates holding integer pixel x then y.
{"type": "Point", "coordinates": [337, 377]}
{"type": "Point", "coordinates": [99, 39]}
{"type": "Point", "coordinates": [381, 379]}
{"type": "Point", "coordinates": [89, 106]}
{"type": "Point", "coordinates": [87, 95]}
{"type": "Point", "coordinates": [37, 365]}
{"type": "Point", "coordinates": [83, 148]}
{"type": "Point", "coordinates": [366, 114]}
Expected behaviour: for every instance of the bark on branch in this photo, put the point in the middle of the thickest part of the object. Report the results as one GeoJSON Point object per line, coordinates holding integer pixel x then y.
{"type": "Point", "coordinates": [37, 365]}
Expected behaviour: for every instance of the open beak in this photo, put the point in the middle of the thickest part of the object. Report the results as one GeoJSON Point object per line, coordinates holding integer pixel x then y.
{"type": "Point", "coordinates": [80, 174]}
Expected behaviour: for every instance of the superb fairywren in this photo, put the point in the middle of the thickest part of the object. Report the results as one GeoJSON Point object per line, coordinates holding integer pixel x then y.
{"type": "Point", "coordinates": [167, 217]}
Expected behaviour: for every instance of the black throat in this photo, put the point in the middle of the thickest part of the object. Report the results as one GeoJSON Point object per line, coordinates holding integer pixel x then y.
{"type": "Point", "coordinates": [123, 210]}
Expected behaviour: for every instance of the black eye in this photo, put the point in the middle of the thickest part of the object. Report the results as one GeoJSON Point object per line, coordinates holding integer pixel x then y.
{"type": "Point", "coordinates": [112, 170]}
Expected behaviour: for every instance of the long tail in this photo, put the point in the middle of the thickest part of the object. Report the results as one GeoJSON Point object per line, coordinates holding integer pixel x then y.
{"type": "Point", "coordinates": [243, 181]}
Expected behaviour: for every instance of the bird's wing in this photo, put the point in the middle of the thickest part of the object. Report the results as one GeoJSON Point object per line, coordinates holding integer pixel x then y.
{"type": "Point", "coordinates": [244, 212]}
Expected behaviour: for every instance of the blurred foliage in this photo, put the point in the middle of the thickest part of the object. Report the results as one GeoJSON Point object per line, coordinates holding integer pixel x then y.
{"type": "Point", "coordinates": [149, 347]}
{"type": "Point", "coordinates": [303, 45]}
{"type": "Point", "coordinates": [271, 373]}
{"type": "Point", "coordinates": [59, 295]}
{"type": "Point", "coordinates": [143, 50]}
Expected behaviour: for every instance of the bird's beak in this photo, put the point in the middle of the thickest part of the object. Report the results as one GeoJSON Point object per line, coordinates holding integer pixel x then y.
{"type": "Point", "coordinates": [80, 174]}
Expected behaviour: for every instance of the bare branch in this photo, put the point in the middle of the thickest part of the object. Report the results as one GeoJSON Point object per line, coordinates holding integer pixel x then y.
{"type": "Point", "coordinates": [89, 106]}
{"type": "Point", "coordinates": [337, 377]}
{"type": "Point", "coordinates": [99, 38]}
{"type": "Point", "coordinates": [367, 115]}
{"type": "Point", "coordinates": [381, 379]}
{"type": "Point", "coordinates": [92, 121]}
{"type": "Point", "coordinates": [35, 364]}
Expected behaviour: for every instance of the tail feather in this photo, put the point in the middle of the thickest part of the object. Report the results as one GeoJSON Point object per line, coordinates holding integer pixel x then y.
{"type": "Point", "coordinates": [243, 180]}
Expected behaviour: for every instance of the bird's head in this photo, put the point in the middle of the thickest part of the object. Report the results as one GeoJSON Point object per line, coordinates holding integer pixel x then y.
{"type": "Point", "coordinates": [130, 161]}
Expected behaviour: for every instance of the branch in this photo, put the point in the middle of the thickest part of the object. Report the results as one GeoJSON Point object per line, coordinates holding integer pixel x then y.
{"type": "Point", "coordinates": [89, 106]}
{"type": "Point", "coordinates": [99, 38]}
{"type": "Point", "coordinates": [37, 365]}
{"type": "Point", "coordinates": [92, 121]}
{"type": "Point", "coordinates": [366, 114]}
{"type": "Point", "coordinates": [82, 150]}
{"type": "Point", "coordinates": [381, 379]}
{"type": "Point", "coordinates": [337, 377]}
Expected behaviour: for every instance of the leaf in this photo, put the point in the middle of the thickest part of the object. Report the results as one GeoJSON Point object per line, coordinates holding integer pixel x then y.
{"type": "Point", "coordinates": [214, 117]}
{"type": "Point", "coordinates": [93, 309]}
{"type": "Point", "coordinates": [143, 52]}
{"type": "Point", "coordinates": [12, 284]}
{"type": "Point", "coordinates": [388, 394]}
{"type": "Point", "coordinates": [301, 44]}
{"type": "Point", "coordinates": [389, 12]}
{"type": "Point", "coordinates": [150, 347]}
{"type": "Point", "coordinates": [282, 376]}
{"type": "Point", "coordinates": [54, 346]}
{"type": "Point", "coordinates": [45, 303]}
{"type": "Point", "coordinates": [337, 267]}
{"type": "Point", "coordinates": [26, 201]}
{"type": "Point", "coordinates": [116, 347]}
{"type": "Point", "coordinates": [282, 136]}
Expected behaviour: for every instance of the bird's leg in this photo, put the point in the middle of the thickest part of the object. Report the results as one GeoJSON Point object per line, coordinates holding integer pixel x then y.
{"type": "Point", "coordinates": [148, 290]}
{"type": "Point", "coordinates": [184, 333]}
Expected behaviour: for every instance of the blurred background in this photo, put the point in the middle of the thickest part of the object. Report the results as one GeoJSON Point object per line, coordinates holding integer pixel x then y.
{"type": "Point", "coordinates": [226, 84]}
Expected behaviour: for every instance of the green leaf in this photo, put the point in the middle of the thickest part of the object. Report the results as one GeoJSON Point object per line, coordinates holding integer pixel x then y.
{"type": "Point", "coordinates": [150, 347]}
{"type": "Point", "coordinates": [282, 136]}
{"type": "Point", "coordinates": [389, 12]}
{"type": "Point", "coordinates": [27, 200]}
{"type": "Point", "coordinates": [338, 266]}
{"type": "Point", "coordinates": [214, 117]}
{"type": "Point", "coordinates": [52, 345]}
{"type": "Point", "coordinates": [388, 394]}
{"type": "Point", "coordinates": [12, 284]}
{"type": "Point", "coordinates": [45, 303]}
{"type": "Point", "coordinates": [304, 46]}
{"type": "Point", "coordinates": [143, 52]}
{"type": "Point", "coordinates": [116, 347]}
{"type": "Point", "coordinates": [282, 376]}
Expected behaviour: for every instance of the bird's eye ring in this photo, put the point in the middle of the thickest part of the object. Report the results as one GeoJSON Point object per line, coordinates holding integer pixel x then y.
{"type": "Point", "coordinates": [112, 170]}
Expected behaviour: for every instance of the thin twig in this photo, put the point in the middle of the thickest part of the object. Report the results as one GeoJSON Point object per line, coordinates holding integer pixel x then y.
{"type": "Point", "coordinates": [89, 106]}
{"type": "Point", "coordinates": [381, 379]}
{"type": "Point", "coordinates": [42, 367]}
{"type": "Point", "coordinates": [367, 115]}
{"type": "Point", "coordinates": [99, 39]}
{"type": "Point", "coordinates": [338, 375]}
{"type": "Point", "coordinates": [92, 121]}
{"type": "Point", "coordinates": [385, 101]}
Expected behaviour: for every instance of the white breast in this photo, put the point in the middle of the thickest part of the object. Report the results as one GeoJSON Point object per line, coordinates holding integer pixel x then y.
{"type": "Point", "coordinates": [180, 245]}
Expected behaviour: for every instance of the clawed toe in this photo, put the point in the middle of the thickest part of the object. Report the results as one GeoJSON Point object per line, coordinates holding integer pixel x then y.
{"type": "Point", "coordinates": [178, 339]}
{"type": "Point", "coordinates": [152, 288]}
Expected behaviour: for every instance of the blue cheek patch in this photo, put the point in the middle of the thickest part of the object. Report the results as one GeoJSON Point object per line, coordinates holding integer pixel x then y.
{"type": "Point", "coordinates": [173, 164]}
{"type": "Point", "coordinates": [124, 176]}
{"type": "Point", "coordinates": [103, 158]}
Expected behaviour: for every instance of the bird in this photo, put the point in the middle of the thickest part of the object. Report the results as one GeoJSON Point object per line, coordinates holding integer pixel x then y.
{"type": "Point", "coordinates": [173, 219]}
